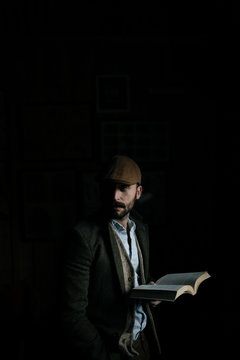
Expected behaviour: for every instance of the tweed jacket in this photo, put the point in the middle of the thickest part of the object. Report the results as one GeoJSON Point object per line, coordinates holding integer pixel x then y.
{"type": "Point", "coordinates": [95, 303]}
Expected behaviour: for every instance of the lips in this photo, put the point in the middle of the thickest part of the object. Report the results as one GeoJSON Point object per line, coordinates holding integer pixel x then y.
{"type": "Point", "coordinates": [118, 206]}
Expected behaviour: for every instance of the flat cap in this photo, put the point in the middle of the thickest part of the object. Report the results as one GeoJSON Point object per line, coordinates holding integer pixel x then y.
{"type": "Point", "coordinates": [124, 170]}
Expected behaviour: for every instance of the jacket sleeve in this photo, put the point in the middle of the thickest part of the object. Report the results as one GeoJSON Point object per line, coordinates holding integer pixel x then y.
{"type": "Point", "coordinates": [80, 334]}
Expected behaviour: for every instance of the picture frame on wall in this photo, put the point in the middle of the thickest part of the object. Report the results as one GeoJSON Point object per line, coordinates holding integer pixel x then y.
{"type": "Point", "coordinates": [112, 93]}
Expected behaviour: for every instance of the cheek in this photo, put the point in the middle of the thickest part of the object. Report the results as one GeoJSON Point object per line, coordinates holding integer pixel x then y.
{"type": "Point", "coordinates": [127, 200]}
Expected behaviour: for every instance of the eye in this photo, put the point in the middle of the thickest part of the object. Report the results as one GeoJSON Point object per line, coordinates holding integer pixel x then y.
{"type": "Point", "coordinates": [123, 187]}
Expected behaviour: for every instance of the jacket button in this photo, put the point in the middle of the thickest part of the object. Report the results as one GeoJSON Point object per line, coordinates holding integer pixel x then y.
{"type": "Point", "coordinates": [129, 279]}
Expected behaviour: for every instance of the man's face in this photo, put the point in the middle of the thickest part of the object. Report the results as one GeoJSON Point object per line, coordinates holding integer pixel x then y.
{"type": "Point", "coordinates": [121, 199]}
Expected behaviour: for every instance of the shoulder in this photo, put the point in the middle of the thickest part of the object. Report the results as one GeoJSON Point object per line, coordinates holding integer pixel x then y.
{"type": "Point", "coordinates": [85, 226]}
{"type": "Point", "coordinates": [84, 237]}
{"type": "Point", "coordinates": [90, 226]}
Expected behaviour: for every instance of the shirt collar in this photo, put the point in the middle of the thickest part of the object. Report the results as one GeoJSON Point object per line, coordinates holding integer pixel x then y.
{"type": "Point", "coordinates": [121, 229]}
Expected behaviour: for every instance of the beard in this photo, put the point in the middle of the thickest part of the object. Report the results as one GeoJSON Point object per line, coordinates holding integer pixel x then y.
{"type": "Point", "coordinates": [120, 210]}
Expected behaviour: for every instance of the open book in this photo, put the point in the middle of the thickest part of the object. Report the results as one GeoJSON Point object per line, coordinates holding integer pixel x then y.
{"type": "Point", "coordinates": [170, 286]}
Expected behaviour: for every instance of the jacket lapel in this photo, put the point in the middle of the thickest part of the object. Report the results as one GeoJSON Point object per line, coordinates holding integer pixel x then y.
{"type": "Point", "coordinates": [142, 236]}
{"type": "Point", "coordinates": [117, 259]}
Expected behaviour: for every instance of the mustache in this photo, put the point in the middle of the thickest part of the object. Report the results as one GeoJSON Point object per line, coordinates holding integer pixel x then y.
{"type": "Point", "coordinates": [118, 204]}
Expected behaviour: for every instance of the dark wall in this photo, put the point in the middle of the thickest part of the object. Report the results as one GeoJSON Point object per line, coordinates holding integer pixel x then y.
{"type": "Point", "coordinates": [157, 84]}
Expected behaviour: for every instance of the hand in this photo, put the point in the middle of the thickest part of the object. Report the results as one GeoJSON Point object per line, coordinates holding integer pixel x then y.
{"type": "Point", "coordinates": [154, 303]}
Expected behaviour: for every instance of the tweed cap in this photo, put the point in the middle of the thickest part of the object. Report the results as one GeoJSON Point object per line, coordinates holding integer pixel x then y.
{"type": "Point", "coordinates": [124, 170]}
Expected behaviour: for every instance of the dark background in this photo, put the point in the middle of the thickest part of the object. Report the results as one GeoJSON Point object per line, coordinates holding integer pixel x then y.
{"type": "Point", "coordinates": [158, 84]}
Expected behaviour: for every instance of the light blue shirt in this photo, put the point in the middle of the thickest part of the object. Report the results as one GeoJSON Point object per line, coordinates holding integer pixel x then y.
{"type": "Point", "coordinates": [140, 316]}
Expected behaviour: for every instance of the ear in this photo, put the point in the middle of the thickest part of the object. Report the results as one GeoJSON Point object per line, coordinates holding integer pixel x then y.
{"type": "Point", "coordinates": [139, 192]}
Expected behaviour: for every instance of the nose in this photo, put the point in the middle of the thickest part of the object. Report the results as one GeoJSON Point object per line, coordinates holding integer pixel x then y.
{"type": "Point", "coordinates": [117, 194]}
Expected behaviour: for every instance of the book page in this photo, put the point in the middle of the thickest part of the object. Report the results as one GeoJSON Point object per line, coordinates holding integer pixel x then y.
{"type": "Point", "coordinates": [180, 278]}
{"type": "Point", "coordinates": [160, 292]}
{"type": "Point", "coordinates": [159, 287]}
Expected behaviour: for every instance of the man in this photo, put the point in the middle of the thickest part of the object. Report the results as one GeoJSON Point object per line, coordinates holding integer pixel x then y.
{"type": "Point", "coordinates": [107, 255]}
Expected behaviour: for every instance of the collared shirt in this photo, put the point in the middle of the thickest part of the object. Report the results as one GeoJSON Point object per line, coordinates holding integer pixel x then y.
{"type": "Point", "coordinates": [140, 316]}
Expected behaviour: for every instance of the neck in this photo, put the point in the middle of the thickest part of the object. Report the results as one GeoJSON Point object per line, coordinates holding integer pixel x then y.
{"type": "Point", "coordinates": [123, 221]}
